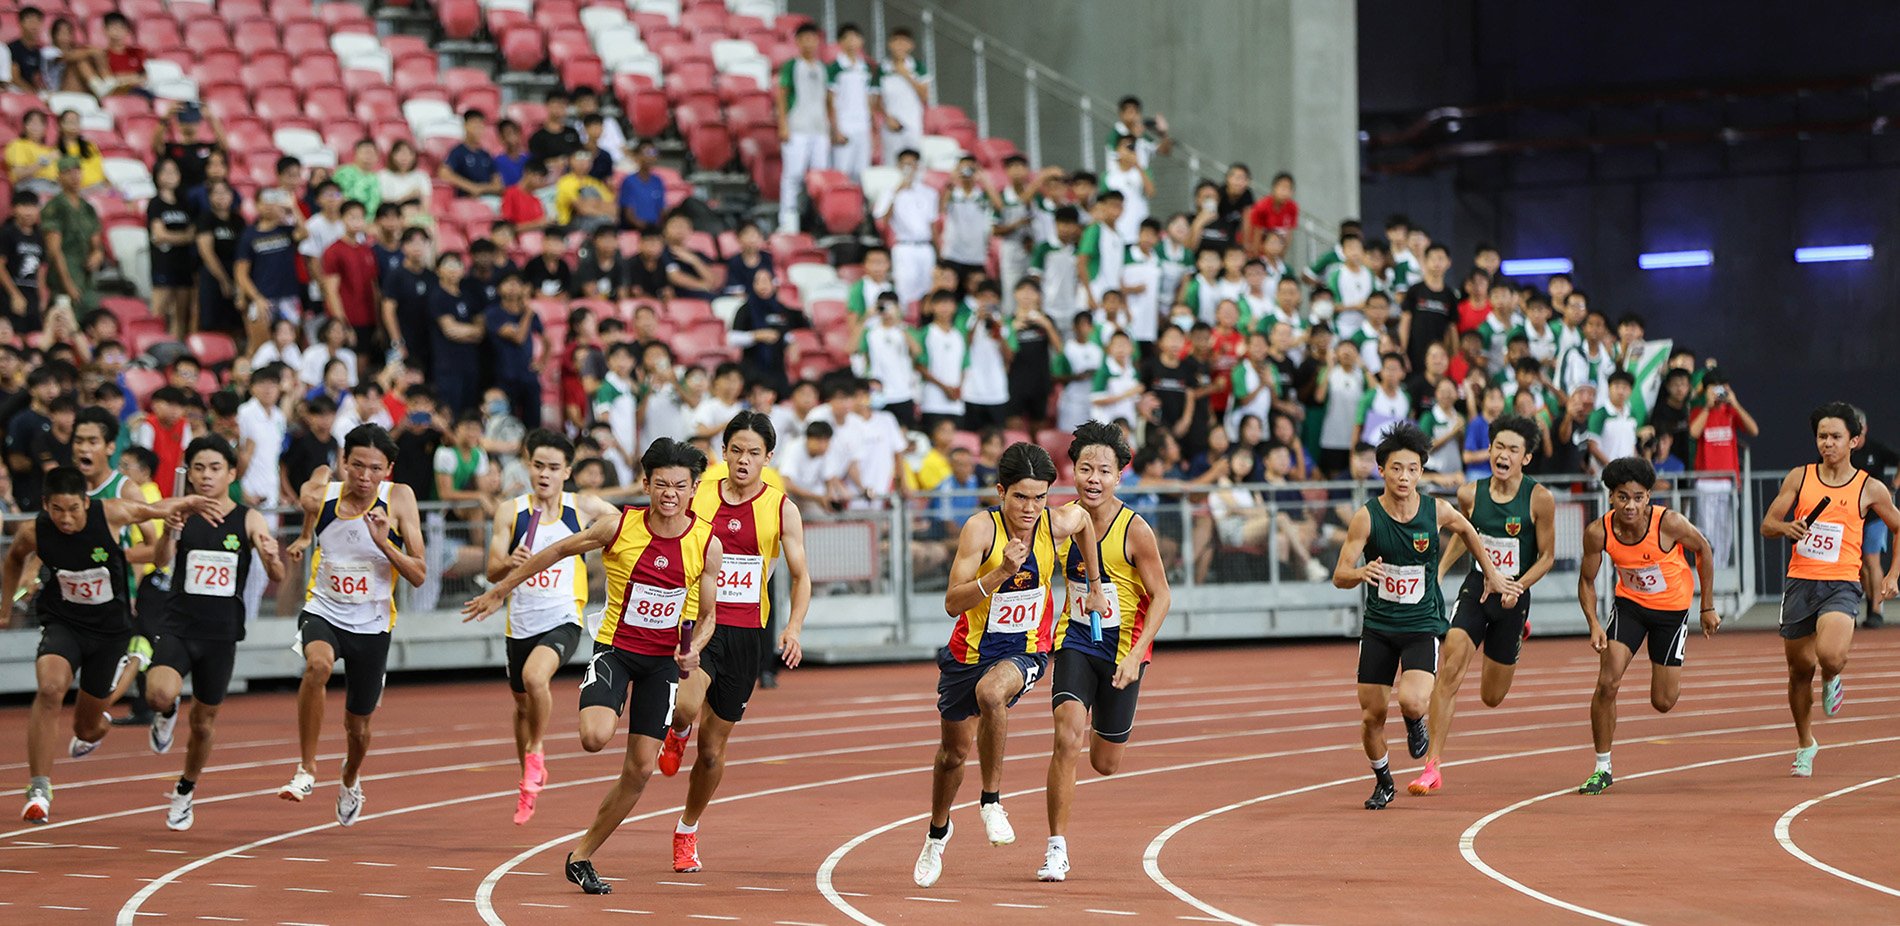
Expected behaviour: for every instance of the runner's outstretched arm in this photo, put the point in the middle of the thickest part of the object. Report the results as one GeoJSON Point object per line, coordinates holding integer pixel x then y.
{"type": "Point", "coordinates": [1345, 574]}
{"type": "Point", "coordinates": [596, 537]}
{"type": "Point", "coordinates": [263, 542]}
{"type": "Point", "coordinates": [24, 544]}
{"type": "Point", "coordinates": [1775, 522]}
{"type": "Point", "coordinates": [708, 591]}
{"type": "Point", "coordinates": [1881, 506]}
{"type": "Point", "coordinates": [967, 588]}
{"type": "Point", "coordinates": [1455, 547]}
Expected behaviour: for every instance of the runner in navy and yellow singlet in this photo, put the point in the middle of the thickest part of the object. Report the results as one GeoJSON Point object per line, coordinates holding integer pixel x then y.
{"type": "Point", "coordinates": [1404, 612]}
{"type": "Point", "coordinates": [544, 613]}
{"type": "Point", "coordinates": [1823, 508]}
{"type": "Point", "coordinates": [1518, 520]}
{"type": "Point", "coordinates": [1002, 591]}
{"type": "Point", "coordinates": [85, 619]}
{"type": "Point", "coordinates": [753, 521]}
{"type": "Point", "coordinates": [362, 532]}
{"type": "Point", "coordinates": [1095, 680]}
{"type": "Point", "coordinates": [1655, 586]}
{"type": "Point", "coordinates": [203, 619]}
{"type": "Point", "coordinates": [662, 563]}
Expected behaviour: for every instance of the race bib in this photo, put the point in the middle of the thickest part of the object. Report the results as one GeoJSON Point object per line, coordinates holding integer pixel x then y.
{"type": "Point", "coordinates": [345, 582]}
{"type": "Point", "coordinates": [1504, 551]}
{"type": "Point", "coordinates": [87, 586]}
{"type": "Point", "coordinates": [1015, 612]}
{"type": "Point", "coordinates": [1403, 584]}
{"type": "Point", "coordinates": [1078, 604]}
{"type": "Point", "coordinates": [1647, 579]}
{"type": "Point", "coordinates": [556, 581]}
{"type": "Point", "coordinates": [655, 608]}
{"type": "Point", "coordinates": [211, 572]}
{"type": "Point", "coordinates": [1823, 542]}
{"type": "Point", "coordinates": [740, 578]}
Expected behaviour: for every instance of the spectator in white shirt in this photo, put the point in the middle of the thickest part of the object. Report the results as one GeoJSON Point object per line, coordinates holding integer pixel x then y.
{"type": "Point", "coordinates": [802, 464]}
{"type": "Point", "coordinates": [262, 427]}
{"type": "Point", "coordinates": [665, 412]}
{"type": "Point", "coordinates": [906, 87]}
{"type": "Point", "coordinates": [855, 84]}
{"type": "Point", "coordinates": [1126, 175]}
{"type": "Point", "coordinates": [970, 206]}
{"type": "Point", "coordinates": [876, 444]}
{"type": "Point", "coordinates": [716, 409]}
{"type": "Point", "coordinates": [910, 209]}
{"type": "Point", "coordinates": [330, 347]}
{"type": "Point", "coordinates": [805, 130]}
{"type": "Point", "coordinates": [887, 355]}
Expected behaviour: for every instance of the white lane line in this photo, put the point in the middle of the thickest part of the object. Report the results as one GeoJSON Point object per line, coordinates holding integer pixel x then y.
{"type": "Point", "coordinates": [456, 900]}
{"type": "Point", "coordinates": [167, 851]}
{"type": "Point", "coordinates": [225, 884]}
{"type": "Point", "coordinates": [448, 868]}
{"type": "Point", "coordinates": [294, 858]}
{"type": "Point", "coordinates": [1112, 912]}
{"type": "Point", "coordinates": [289, 923]}
{"type": "Point", "coordinates": [387, 896]}
{"type": "Point", "coordinates": [308, 890]}
{"type": "Point", "coordinates": [702, 916]}
{"type": "Point", "coordinates": [1021, 906]}
{"type": "Point", "coordinates": [792, 923]}
{"type": "Point", "coordinates": [378, 864]}
{"type": "Point", "coordinates": [621, 910]}
{"type": "Point", "coordinates": [774, 890]}
{"type": "Point", "coordinates": [669, 883]}
{"type": "Point", "coordinates": [1199, 919]}
{"type": "Point", "coordinates": [1786, 839]}
{"type": "Point", "coordinates": [222, 919]}
{"type": "Point", "coordinates": [79, 875]}
{"type": "Point", "coordinates": [932, 899]}
{"type": "Point", "coordinates": [17, 871]}
{"type": "Point", "coordinates": [1467, 843]}
{"type": "Point", "coordinates": [54, 906]}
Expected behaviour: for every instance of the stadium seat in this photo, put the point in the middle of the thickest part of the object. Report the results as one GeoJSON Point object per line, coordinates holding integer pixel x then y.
{"type": "Point", "coordinates": [416, 75]}
{"type": "Point", "coordinates": [142, 382]}
{"type": "Point", "coordinates": [157, 34]}
{"type": "Point", "coordinates": [377, 104]}
{"type": "Point", "coordinates": [226, 101]}
{"type": "Point", "coordinates": [254, 35]}
{"type": "Point", "coordinates": [940, 152]}
{"type": "Point", "coordinates": [522, 48]}
{"type": "Point", "coordinates": [303, 144]}
{"type": "Point", "coordinates": [647, 112]}
{"type": "Point", "coordinates": [341, 136]}
{"type": "Point", "coordinates": [206, 34]}
{"type": "Point", "coordinates": [990, 152]}
{"type": "Point", "coordinates": [326, 104]}
{"type": "Point", "coordinates": [582, 70]}
{"type": "Point", "coordinates": [528, 114]}
{"type": "Point", "coordinates": [460, 19]}
{"type": "Point", "coordinates": [303, 39]}
{"type": "Point", "coordinates": [711, 146]}
{"type": "Point", "coordinates": [212, 348]}
{"type": "Point", "coordinates": [246, 134]}
{"type": "Point", "coordinates": [754, 110]}
{"type": "Point", "coordinates": [316, 71]}
{"type": "Point", "coordinates": [276, 102]}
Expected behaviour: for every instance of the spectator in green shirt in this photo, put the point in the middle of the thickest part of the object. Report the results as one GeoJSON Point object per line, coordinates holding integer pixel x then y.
{"type": "Point", "coordinates": [74, 238]}
{"type": "Point", "coordinates": [358, 179]}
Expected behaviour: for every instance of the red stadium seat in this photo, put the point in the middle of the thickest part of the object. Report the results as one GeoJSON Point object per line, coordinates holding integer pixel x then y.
{"type": "Point", "coordinates": [937, 117]}
{"type": "Point", "coordinates": [648, 113]}
{"type": "Point", "coordinates": [484, 99]}
{"type": "Point", "coordinates": [275, 103]}
{"type": "Point", "coordinates": [458, 81]}
{"type": "Point", "coordinates": [137, 132]}
{"type": "Point", "coordinates": [416, 74]}
{"type": "Point", "coordinates": [317, 70]}
{"type": "Point", "coordinates": [305, 38]}
{"type": "Point", "coordinates": [247, 135]}
{"type": "Point", "coordinates": [225, 101]}
{"type": "Point", "coordinates": [649, 24]}
{"type": "Point", "coordinates": [145, 333]}
{"type": "Point", "coordinates": [990, 152]}
{"type": "Point", "coordinates": [326, 104]}
{"type": "Point", "coordinates": [752, 111]}
{"type": "Point", "coordinates": [522, 48]}
{"type": "Point", "coordinates": [206, 34]}
{"type": "Point", "coordinates": [695, 111]}
{"type": "Point", "coordinates": [583, 70]}
{"type": "Point", "coordinates": [460, 19]}
{"type": "Point", "coordinates": [142, 382]}
{"type": "Point", "coordinates": [212, 348]}
{"type": "Point", "coordinates": [125, 105]}
{"type": "Point", "coordinates": [450, 241]}
{"type": "Point", "coordinates": [403, 47]}
{"type": "Point", "coordinates": [338, 15]}
{"type": "Point", "coordinates": [237, 11]}
{"type": "Point", "coordinates": [528, 114]}
{"type": "Point", "coordinates": [557, 13]}
{"type": "Point", "coordinates": [829, 313]}
{"type": "Point", "coordinates": [711, 146]}
{"type": "Point", "coordinates": [388, 130]}
{"type": "Point", "coordinates": [820, 182]}
{"type": "Point", "coordinates": [255, 35]}
{"type": "Point", "coordinates": [359, 80]}
{"type": "Point", "coordinates": [732, 87]}
{"type": "Point", "coordinates": [705, 18]}
{"type": "Point", "coordinates": [341, 137]}
{"type": "Point", "coordinates": [756, 143]}
{"type": "Point", "coordinates": [159, 33]}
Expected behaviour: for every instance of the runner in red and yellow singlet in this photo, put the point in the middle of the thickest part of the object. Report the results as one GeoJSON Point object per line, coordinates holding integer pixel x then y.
{"type": "Point", "coordinates": [753, 521]}
{"type": "Point", "coordinates": [1655, 587]}
{"type": "Point", "coordinates": [1002, 589]}
{"type": "Point", "coordinates": [1823, 507]}
{"type": "Point", "coordinates": [662, 563]}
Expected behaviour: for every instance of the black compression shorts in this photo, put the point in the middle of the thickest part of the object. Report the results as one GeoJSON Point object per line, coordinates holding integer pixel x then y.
{"type": "Point", "coordinates": [94, 656]}
{"type": "Point", "coordinates": [1382, 655]}
{"type": "Point", "coordinates": [1666, 631]}
{"type": "Point", "coordinates": [208, 663]}
{"type": "Point", "coordinates": [653, 680]}
{"type": "Point", "coordinates": [563, 640]}
{"type": "Point", "coordinates": [365, 658]}
{"type": "Point", "coordinates": [1090, 680]}
{"type": "Point", "coordinates": [1498, 630]}
{"type": "Point", "coordinates": [732, 660]}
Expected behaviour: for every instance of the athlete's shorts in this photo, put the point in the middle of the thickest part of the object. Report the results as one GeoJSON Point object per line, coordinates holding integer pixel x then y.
{"type": "Point", "coordinates": [94, 656]}
{"type": "Point", "coordinates": [365, 658]}
{"type": "Point", "coordinates": [1382, 655]}
{"type": "Point", "coordinates": [1666, 631]}
{"type": "Point", "coordinates": [732, 659]}
{"type": "Point", "coordinates": [1498, 630]}
{"type": "Point", "coordinates": [1875, 537]}
{"type": "Point", "coordinates": [208, 663]}
{"type": "Point", "coordinates": [1090, 680]}
{"type": "Point", "coordinates": [654, 681]}
{"type": "Point", "coordinates": [563, 640]}
{"type": "Point", "coordinates": [1803, 601]}
{"type": "Point", "coordinates": [957, 681]}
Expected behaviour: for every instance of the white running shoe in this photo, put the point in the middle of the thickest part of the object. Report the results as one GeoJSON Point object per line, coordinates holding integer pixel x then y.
{"type": "Point", "coordinates": [349, 804]}
{"type": "Point", "coordinates": [162, 726]}
{"type": "Point", "coordinates": [79, 749]}
{"type": "Point", "coordinates": [1832, 695]}
{"type": "Point", "coordinates": [1055, 865]}
{"type": "Point", "coordinates": [996, 824]}
{"type": "Point", "coordinates": [930, 861]}
{"type": "Point", "coordinates": [179, 816]}
{"type": "Point", "coordinates": [301, 784]}
{"type": "Point", "coordinates": [39, 806]}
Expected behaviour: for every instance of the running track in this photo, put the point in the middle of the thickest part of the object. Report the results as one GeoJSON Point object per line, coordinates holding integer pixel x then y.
{"type": "Point", "coordinates": [1238, 802]}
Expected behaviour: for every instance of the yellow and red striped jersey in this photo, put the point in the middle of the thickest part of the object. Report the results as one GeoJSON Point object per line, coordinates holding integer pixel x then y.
{"type": "Point", "coordinates": [652, 584]}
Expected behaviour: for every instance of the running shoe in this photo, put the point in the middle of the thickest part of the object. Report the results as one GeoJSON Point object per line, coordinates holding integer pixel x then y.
{"type": "Point", "coordinates": [39, 805]}
{"type": "Point", "coordinates": [79, 749]}
{"type": "Point", "coordinates": [1598, 782]}
{"type": "Point", "coordinates": [996, 824]}
{"type": "Point", "coordinates": [1804, 760]}
{"type": "Point", "coordinates": [1055, 865]}
{"type": "Point", "coordinates": [179, 816]}
{"type": "Point", "coordinates": [930, 862]}
{"type": "Point", "coordinates": [1428, 781]}
{"type": "Point", "coordinates": [673, 750]}
{"type": "Point", "coordinates": [524, 804]}
{"type": "Point", "coordinates": [1382, 794]}
{"type": "Point", "coordinates": [161, 737]}
{"type": "Point", "coordinates": [1418, 737]}
{"type": "Point", "coordinates": [583, 874]}
{"type": "Point", "coordinates": [301, 784]}
{"type": "Point", "coordinates": [535, 773]}
{"type": "Point", "coordinates": [349, 804]}
{"type": "Point", "coordinates": [1832, 694]}
{"type": "Point", "coordinates": [685, 852]}
{"type": "Point", "coordinates": [140, 651]}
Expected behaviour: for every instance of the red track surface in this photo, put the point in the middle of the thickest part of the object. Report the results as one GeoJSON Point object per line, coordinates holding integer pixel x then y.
{"type": "Point", "coordinates": [1238, 802]}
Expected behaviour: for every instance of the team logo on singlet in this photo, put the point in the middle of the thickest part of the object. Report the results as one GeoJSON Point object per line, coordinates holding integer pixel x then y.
{"type": "Point", "coordinates": [733, 525]}
{"type": "Point", "coordinates": [659, 562]}
{"type": "Point", "coordinates": [1511, 526]}
{"type": "Point", "coordinates": [231, 542]}
{"type": "Point", "coordinates": [1020, 580]}
{"type": "Point", "coordinates": [99, 554]}
{"type": "Point", "coordinates": [1421, 542]}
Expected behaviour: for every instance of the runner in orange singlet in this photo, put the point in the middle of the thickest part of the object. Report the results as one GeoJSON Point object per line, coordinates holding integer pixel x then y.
{"type": "Point", "coordinates": [1646, 544]}
{"type": "Point", "coordinates": [1823, 508]}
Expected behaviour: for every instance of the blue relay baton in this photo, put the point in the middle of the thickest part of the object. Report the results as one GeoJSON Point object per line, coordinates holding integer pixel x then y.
{"type": "Point", "coordinates": [1095, 618]}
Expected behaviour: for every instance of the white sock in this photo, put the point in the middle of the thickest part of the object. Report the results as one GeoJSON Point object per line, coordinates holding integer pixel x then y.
{"type": "Point", "coordinates": [683, 829]}
{"type": "Point", "coordinates": [1603, 761]}
{"type": "Point", "coordinates": [1379, 764]}
{"type": "Point", "coordinates": [1059, 842]}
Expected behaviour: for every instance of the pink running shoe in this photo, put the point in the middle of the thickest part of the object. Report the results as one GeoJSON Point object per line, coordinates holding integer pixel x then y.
{"type": "Point", "coordinates": [1428, 781]}
{"type": "Point", "coordinates": [524, 805]}
{"type": "Point", "coordinates": [535, 774]}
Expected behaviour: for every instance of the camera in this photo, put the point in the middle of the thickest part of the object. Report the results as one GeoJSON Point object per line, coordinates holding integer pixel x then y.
{"type": "Point", "coordinates": [968, 172]}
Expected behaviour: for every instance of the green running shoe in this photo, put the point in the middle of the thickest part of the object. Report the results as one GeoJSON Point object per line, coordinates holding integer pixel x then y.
{"type": "Point", "coordinates": [1598, 782]}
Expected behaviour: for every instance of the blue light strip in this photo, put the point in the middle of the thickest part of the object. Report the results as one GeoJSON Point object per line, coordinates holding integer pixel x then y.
{"type": "Point", "coordinates": [1669, 260]}
{"type": "Point", "coordinates": [1836, 252]}
{"type": "Point", "coordinates": [1535, 266]}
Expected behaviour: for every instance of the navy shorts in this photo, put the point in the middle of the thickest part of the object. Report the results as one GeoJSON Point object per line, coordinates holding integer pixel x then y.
{"type": "Point", "coordinates": [957, 681]}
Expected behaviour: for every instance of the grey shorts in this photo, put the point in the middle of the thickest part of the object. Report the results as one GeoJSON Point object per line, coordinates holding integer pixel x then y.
{"type": "Point", "coordinates": [1803, 601]}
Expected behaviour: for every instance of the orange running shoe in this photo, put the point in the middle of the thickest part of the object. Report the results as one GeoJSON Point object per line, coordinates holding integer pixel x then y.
{"type": "Point", "coordinates": [672, 751]}
{"type": "Point", "coordinates": [685, 852]}
{"type": "Point", "coordinates": [1427, 782]}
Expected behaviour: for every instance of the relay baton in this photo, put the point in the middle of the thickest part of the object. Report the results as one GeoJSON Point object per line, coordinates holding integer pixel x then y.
{"type": "Point", "coordinates": [1815, 515]}
{"type": "Point", "coordinates": [1095, 617]}
{"type": "Point", "coordinates": [178, 482]}
{"type": "Point", "coordinates": [534, 520]}
{"type": "Point", "coordinates": [686, 643]}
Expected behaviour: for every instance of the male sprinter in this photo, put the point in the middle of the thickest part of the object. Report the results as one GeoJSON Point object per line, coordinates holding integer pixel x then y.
{"type": "Point", "coordinates": [544, 612]}
{"type": "Point", "coordinates": [661, 563]}
{"type": "Point", "coordinates": [362, 532]}
{"type": "Point", "coordinates": [752, 521]}
{"type": "Point", "coordinates": [1654, 589]}
{"type": "Point", "coordinates": [1100, 680]}
{"type": "Point", "coordinates": [1404, 609]}
{"type": "Point", "coordinates": [1501, 506]}
{"type": "Point", "coordinates": [203, 620]}
{"type": "Point", "coordinates": [95, 433]}
{"type": "Point", "coordinates": [1002, 589]}
{"type": "Point", "coordinates": [85, 619]}
{"type": "Point", "coordinates": [1823, 508]}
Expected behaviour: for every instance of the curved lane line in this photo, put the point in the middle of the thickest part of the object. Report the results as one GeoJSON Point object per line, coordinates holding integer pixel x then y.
{"type": "Point", "coordinates": [1786, 823]}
